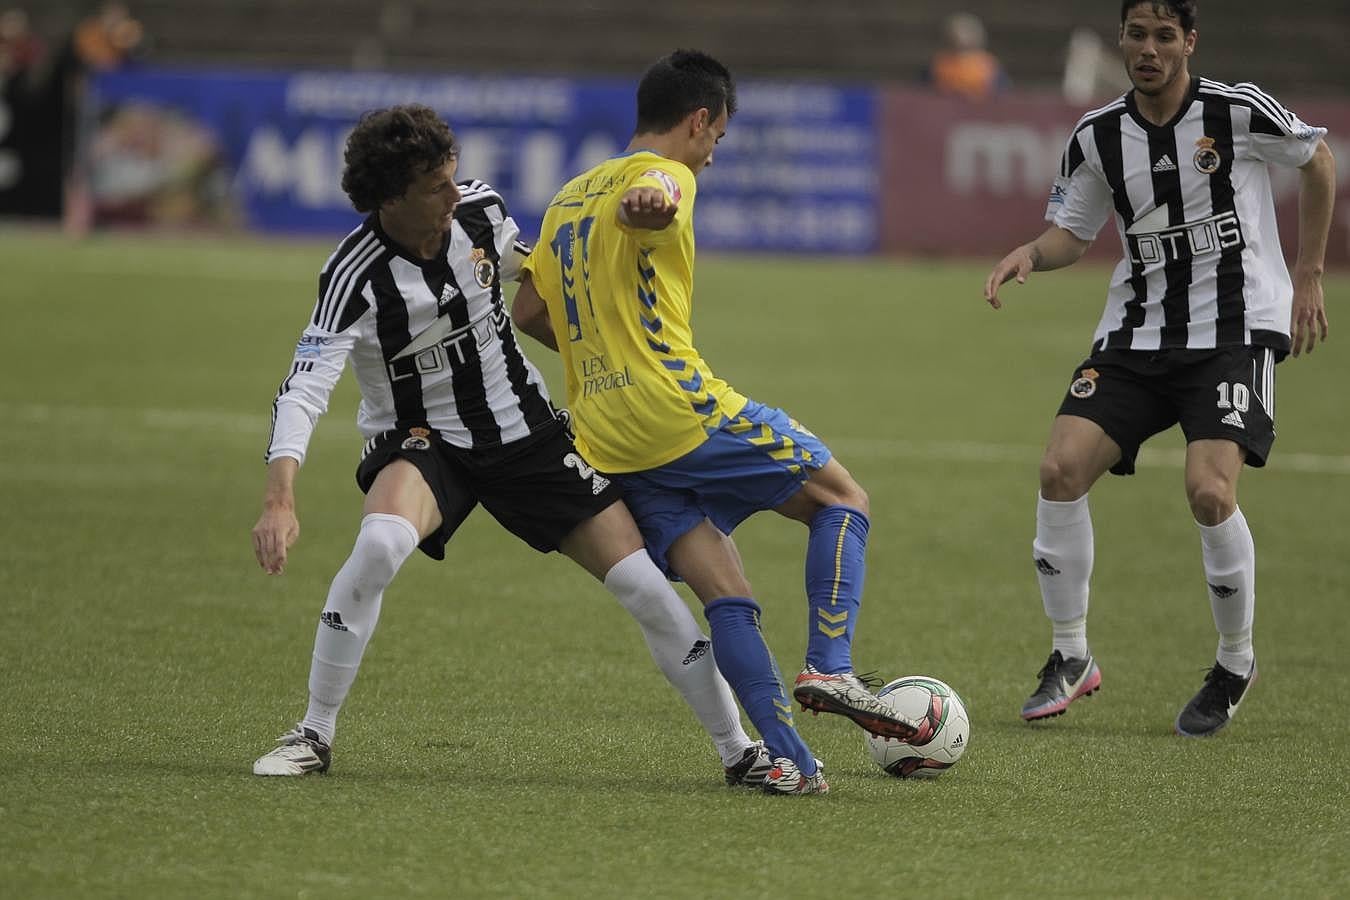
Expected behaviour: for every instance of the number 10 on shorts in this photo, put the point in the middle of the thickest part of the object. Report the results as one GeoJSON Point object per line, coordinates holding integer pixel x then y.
{"type": "Point", "coordinates": [1234, 396]}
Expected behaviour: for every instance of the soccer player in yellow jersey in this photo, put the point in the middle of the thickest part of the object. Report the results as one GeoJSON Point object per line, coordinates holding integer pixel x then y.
{"type": "Point", "coordinates": [610, 286]}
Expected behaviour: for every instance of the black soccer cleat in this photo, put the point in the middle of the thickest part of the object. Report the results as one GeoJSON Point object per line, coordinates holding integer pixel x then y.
{"type": "Point", "coordinates": [1212, 708]}
{"type": "Point", "coordinates": [752, 768]}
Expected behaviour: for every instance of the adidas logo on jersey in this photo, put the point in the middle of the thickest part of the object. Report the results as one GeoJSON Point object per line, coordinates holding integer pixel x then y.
{"type": "Point", "coordinates": [1164, 164]}
{"type": "Point", "coordinates": [1234, 418]}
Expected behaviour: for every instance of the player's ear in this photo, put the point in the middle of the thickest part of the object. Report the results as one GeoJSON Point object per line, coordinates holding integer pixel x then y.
{"type": "Point", "coordinates": [699, 119]}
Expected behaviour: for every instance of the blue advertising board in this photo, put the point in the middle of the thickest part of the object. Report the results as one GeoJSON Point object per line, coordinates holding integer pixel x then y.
{"type": "Point", "coordinates": [797, 170]}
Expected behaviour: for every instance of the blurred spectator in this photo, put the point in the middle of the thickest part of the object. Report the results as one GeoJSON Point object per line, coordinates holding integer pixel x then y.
{"type": "Point", "coordinates": [1093, 70]}
{"type": "Point", "coordinates": [963, 67]}
{"type": "Point", "coordinates": [149, 165]}
{"type": "Point", "coordinates": [30, 122]}
{"type": "Point", "coordinates": [21, 50]}
{"type": "Point", "coordinates": [105, 40]}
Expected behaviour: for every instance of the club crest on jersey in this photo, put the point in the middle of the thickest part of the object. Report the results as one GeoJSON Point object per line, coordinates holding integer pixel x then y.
{"type": "Point", "coordinates": [1207, 159]}
{"type": "Point", "coordinates": [1085, 385]}
{"type": "Point", "coordinates": [419, 439]}
{"type": "Point", "coordinates": [484, 269]}
{"type": "Point", "coordinates": [668, 183]}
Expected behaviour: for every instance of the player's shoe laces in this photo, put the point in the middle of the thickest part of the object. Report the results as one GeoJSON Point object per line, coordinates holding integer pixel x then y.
{"type": "Point", "coordinates": [1062, 682]}
{"type": "Point", "coordinates": [1218, 699]}
{"type": "Point", "coordinates": [298, 752]}
{"type": "Point", "coordinates": [845, 694]}
{"type": "Point", "coordinates": [786, 778]}
{"type": "Point", "coordinates": [753, 767]}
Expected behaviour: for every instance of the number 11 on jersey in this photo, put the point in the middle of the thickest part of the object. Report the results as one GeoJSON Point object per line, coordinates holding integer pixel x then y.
{"type": "Point", "coordinates": [564, 244]}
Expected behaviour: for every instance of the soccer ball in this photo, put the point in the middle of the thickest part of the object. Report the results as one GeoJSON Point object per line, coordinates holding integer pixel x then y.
{"type": "Point", "coordinates": [943, 734]}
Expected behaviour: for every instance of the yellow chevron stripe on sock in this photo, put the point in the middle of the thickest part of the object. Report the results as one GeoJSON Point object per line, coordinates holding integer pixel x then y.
{"type": "Point", "coordinates": [831, 632]}
{"type": "Point", "coordinates": [833, 619]}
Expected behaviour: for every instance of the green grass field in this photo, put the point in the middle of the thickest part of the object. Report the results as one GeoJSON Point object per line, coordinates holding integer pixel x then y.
{"type": "Point", "coordinates": [509, 736]}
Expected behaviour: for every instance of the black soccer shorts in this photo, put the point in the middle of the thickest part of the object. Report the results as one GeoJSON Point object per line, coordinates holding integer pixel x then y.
{"type": "Point", "coordinates": [538, 488]}
{"type": "Point", "coordinates": [1227, 394]}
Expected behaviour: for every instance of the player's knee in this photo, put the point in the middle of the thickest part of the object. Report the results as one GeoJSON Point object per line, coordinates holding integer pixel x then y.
{"type": "Point", "coordinates": [854, 496]}
{"type": "Point", "coordinates": [1212, 499]}
{"type": "Point", "coordinates": [1062, 479]}
{"type": "Point", "coordinates": [837, 490]}
{"type": "Point", "coordinates": [723, 584]}
{"type": "Point", "coordinates": [383, 543]}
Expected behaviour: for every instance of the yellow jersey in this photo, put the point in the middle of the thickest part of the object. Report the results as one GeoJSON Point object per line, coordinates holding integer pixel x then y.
{"type": "Point", "coordinates": [619, 300]}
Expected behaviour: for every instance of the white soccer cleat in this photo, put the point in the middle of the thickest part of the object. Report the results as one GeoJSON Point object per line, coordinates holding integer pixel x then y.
{"type": "Point", "coordinates": [845, 694]}
{"type": "Point", "coordinates": [299, 752]}
{"type": "Point", "coordinates": [786, 778]}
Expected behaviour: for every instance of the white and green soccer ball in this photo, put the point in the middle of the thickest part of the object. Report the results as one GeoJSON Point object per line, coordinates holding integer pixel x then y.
{"type": "Point", "coordinates": [944, 729]}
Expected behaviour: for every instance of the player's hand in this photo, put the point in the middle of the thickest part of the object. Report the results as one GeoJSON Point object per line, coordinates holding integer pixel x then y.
{"type": "Point", "coordinates": [647, 207]}
{"type": "Point", "coordinates": [1017, 264]}
{"type": "Point", "coordinates": [276, 531]}
{"type": "Point", "coordinates": [1308, 323]}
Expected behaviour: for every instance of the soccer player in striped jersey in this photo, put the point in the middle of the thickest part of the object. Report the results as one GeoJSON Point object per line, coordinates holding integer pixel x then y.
{"type": "Point", "coordinates": [610, 284]}
{"type": "Point", "coordinates": [1197, 314]}
{"type": "Point", "coordinates": [455, 416]}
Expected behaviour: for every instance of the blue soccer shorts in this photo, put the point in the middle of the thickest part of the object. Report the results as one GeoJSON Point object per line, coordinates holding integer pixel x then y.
{"type": "Point", "coordinates": [753, 462]}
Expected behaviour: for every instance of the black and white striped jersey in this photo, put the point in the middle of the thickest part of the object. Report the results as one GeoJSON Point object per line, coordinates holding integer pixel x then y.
{"type": "Point", "coordinates": [430, 341]}
{"type": "Point", "coordinates": [1202, 265]}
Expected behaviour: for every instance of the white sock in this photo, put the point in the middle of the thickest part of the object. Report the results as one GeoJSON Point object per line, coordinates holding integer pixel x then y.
{"type": "Point", "coordinates": [1070, 637]}
{"type": "Point", "coordinates": [1230, 571]}
{"type": "Point", "coordinates": [681, 650]}
{"type": "Point", "coordinates": [1063, 552]}
{"type": "Point", "coordinates": [350, 614]}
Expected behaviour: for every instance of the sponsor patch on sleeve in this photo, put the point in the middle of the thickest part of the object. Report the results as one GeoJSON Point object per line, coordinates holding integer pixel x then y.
{"type": "Point", "coordinates": [667, 181]}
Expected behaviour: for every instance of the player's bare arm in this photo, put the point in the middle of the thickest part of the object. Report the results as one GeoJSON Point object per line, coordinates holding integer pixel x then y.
{"type": "Point", "coordinates": [1054, 249]}
{"type": "Point", "coordinates": [531, 315]}
{"type": "Point", "coordinates": [647, 207]}
{"type": "Point", "coordinates": [1316, 195]}
{"type": "Point", "coordinates": [277, 527]}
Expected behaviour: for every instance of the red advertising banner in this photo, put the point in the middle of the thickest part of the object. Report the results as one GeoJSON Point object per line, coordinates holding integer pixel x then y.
{"type": "Point", "coordinates": [973, 178]}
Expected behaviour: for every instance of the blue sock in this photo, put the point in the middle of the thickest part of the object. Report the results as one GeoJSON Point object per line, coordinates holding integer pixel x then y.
{"type": "Point", "coordinates": [834, 581]}
{"type": "Point", "coordinates": [746, 664]}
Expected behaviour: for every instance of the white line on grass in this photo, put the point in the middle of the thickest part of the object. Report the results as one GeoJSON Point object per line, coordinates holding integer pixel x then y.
{"type": "Point", "coordinates": [197, 262]}
{"type": "Point", "coordinates": [252, 424]}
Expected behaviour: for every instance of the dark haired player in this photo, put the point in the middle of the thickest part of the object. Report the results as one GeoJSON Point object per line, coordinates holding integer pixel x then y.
{"type": "Point", "coordinates": [1197, 314]}
{"type": "Point", "coordinates": [455, 416]}
{"type": "Point", "coordinates": [611, 284]}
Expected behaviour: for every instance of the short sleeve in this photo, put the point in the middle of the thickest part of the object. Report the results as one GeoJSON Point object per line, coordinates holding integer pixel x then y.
{"type": "Point", "coordinates": [1277, 135]}
{"type": "Point", "coordinates": [511, 250]}
{"type": "Point", "coordinates": [675, 179]}
{"type": "Point", "coordinates": [1080, 199]}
